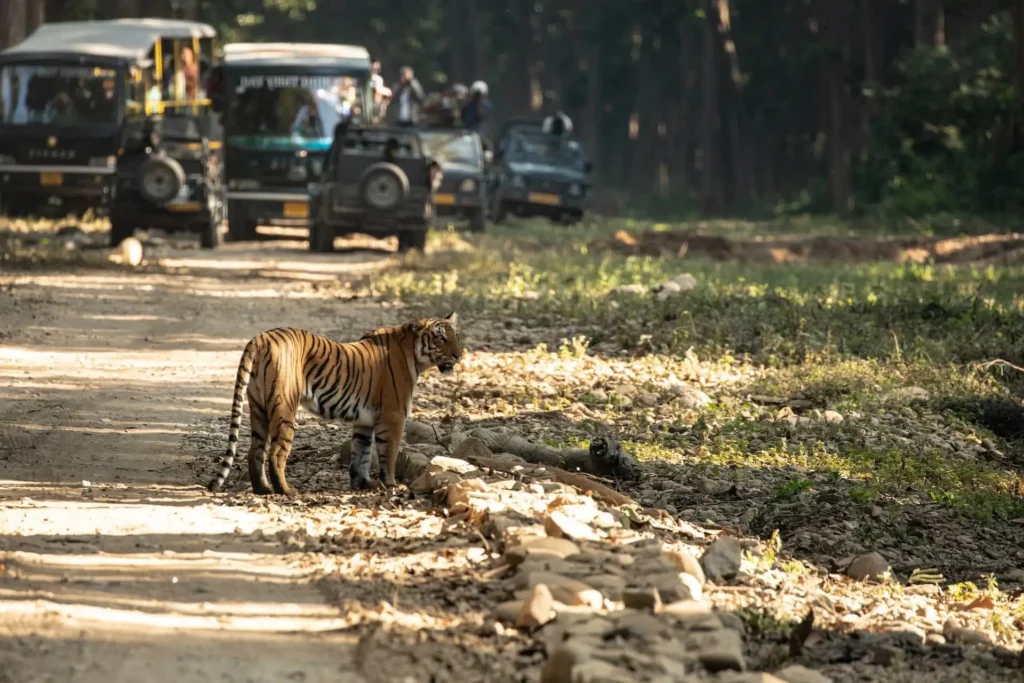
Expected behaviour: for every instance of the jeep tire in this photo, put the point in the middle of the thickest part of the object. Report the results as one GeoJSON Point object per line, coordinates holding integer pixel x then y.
{"type": "Point", "coordinates": [383, 187]}
{"type": "Point", "coordinates": [160, 179]}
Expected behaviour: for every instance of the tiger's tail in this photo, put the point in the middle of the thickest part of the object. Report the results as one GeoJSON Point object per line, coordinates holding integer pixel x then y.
{"type": "Point", "coordinates": [241, 383]}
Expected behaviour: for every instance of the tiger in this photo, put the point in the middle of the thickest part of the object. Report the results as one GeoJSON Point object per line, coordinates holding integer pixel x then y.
{"type": "Point", "coordinates": [368, 383]}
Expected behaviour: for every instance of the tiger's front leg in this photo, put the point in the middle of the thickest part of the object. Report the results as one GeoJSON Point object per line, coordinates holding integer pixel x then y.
{"type": "Point", "coordinates": [389, 442]}
{"type": "Point", "coordinates": [362, 455]}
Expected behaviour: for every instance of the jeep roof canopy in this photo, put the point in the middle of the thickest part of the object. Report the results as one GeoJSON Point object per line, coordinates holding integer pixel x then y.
{"type": "Point", "coordinates": [298, 55]}
{"type": "Point", "coordinates": [91, 38]}
{"type": "Point", "coordinates": [173, 29]}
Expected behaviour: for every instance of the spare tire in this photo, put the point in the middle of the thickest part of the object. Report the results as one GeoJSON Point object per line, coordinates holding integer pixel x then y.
{"type": "Point", "coordinates": [383, 187]}
{"type": "Point", "coordinates": [160, 179]}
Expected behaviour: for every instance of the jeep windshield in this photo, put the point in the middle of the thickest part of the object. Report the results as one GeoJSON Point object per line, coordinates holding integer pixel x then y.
{"type": "Point", "coordinates": [58, 95]}
{"type": "Point", "coordinates": [268, 111]}
{"type": "Point", "coordinates": [451, 148]}
{"type": "Point", "coordinates": [541, 148]}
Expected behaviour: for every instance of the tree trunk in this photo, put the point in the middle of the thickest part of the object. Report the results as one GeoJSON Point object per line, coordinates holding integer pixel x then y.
{"type": "Point", "coordinates": [36, 15]}
{"type": "Point", "coordinates": [929, 23]}
{"type": "Point", "coordinates": [127, 8]}
{"type": "Point", "coordinates": [712, 182]}
{"type": "Point", "coordinates": [1017, 118]}
{"type": "Point", "coordinates": [838, 102]}
{"type": "Point", "coordinates": [591, 127]}
{"type": "Point", "coordinates": [13, 22]}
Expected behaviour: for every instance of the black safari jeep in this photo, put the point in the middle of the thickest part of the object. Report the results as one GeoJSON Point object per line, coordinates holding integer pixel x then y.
{"type": "Point", "coordinates": [376, 181]}
{"type": "Point", "coordinates": [461, 156]}
{"type": "Point", "coordinates": [538, 174]}
{"type": "Point", "coordinates": [169, 177]}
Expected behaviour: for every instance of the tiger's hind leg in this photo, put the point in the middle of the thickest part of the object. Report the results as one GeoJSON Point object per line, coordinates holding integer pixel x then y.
{"type": "Point", "coordinates": [362, 455]}
{"type": "Point", "coordinates": [282, 433]}
{"type": "Point", "coordinates": [258, 450]}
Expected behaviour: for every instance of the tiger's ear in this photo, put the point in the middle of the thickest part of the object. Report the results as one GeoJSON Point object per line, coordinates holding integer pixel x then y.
{"type": "Point", "coordinates": [453, 319]}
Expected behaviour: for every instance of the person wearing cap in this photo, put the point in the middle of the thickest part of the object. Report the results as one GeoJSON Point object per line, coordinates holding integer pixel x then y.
{"type": "Point", "coordinates": [477, 109]}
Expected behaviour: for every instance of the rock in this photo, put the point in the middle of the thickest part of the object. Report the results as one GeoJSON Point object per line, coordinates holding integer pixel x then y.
{"type": "Point", "coordinates": [635, 290]}
{"type": "Point", "coordinates": [721, 561]}
{"type": "Point", "coordinates": [876, 511]}
{"type": "Point", "coordinates": [471, 447]}
{"type": "Point", "coordinates": [908, 394]}
{"type": "Point", "coordinates": [640, 624]}
{"type": "Point", "coordinates": [537, 609]}
{"type": "Point", "coordinates": [460, 493]}
{"type": "Point", "coordinates": [649, 399]}
{"type": "Point", "coordinates": [599, 395]}
{"type": "Point", "coordinates": [568, 591]}
{"type": "Point", "coordinates": [833, 416]}
{"type": "Point", "coordinates": [540, 548]}
{"type": "Point", "coordinates": [610, 585]}
{"type": "Point", "coordinates": [672, 587]}
{"type": "Point", "coordinates": [685, 281]}
{"type": "Point", "coordinates": [597, 671]}
{"type": "Point", "coordinates": [748, 677]}
{"type": "Point", "coordinates": [801, 674]}
{"type": "Point", "coordinates": [131, 251]}
{"type": "Point", "coordinates": [411, 464]}
{"type": "Point", "coordinates": [559, 524]}
{"type": "Point", "coordinates": [694, 615]}
{"type": "Point", "coordinates": [667, 289]}
{"type": "Point", "coordinates": [559, 667]}
{"type": "Point", "coordinates": [732, 620]}
{"type": "Point", "coordinates": [442, 463]}
{"type": "Point", "coordinates": [935, 639]}
{"type": "Point", "coordinates": [508, 611]}
{"type": "Point", "coordinates": [868, 567]}
{"type": "Point", "coordinates": [626, 390]}
{"type": "Point", "coordinates": [720, 650]}
{"type": "Point", "coordinates": [886, 655]}
{"type": "Point", "coordinates": [955, 633]}
{"type": "Point", "coordinates": [687, 563]}
{"type": "Point", "coordinates": [642, 599]}
{"type": "Point", "coordinates": [689, 397]}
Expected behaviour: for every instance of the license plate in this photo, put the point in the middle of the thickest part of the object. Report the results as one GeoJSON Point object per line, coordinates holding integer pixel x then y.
{"type": "Point", "coordinates": [446, 199]}
{"type": "Point", "coordinates": [51, 179]}
{"type": "Point", "coordinates": [182, 207]}
{"type": "Point", "coordinates": [296, 210]}
{"type": "Point", "coordinates": [542, 198]}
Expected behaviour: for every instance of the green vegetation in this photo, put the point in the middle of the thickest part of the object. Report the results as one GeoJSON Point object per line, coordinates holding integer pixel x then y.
{"type": "Point", "coordinates": [846, 338]}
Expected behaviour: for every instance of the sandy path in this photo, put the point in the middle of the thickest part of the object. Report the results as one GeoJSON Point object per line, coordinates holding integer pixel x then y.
{"type": "Point", "coordinates": [117, 566]}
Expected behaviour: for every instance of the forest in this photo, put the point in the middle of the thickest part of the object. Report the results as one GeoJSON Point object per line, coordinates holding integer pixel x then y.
{"type": "Point", "coordinates": [726, 107]}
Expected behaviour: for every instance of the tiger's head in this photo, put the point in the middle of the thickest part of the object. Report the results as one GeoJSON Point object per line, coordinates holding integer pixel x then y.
{"type": "Point", "coordinates": [439, 343]}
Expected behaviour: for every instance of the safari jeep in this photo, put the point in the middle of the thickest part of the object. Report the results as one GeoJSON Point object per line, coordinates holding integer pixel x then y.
{"type": "Point", "coordinates": [377, 181]}
{"type": "Point", "coordinates": [280, 104]}
{"type": "Point", "coordinates": [463, 189]}
{"type": "Point", "coordinates": [169, 169]}
{"type": "Point", "coordinates": [538, 174]}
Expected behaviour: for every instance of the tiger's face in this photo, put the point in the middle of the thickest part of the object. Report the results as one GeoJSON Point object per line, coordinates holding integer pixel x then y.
{"type": "Point", "coordinates": [440, 343]}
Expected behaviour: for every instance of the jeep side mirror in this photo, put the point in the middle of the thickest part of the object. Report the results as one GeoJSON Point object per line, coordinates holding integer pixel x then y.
{"type": "Point", "coordinates": [488, 156]}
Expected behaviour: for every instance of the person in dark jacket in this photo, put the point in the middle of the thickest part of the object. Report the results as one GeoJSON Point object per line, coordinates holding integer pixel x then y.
{"type": "Point", "coordinates": [407, 97]}
{"type": "Point", "coordinates": [477, 110]}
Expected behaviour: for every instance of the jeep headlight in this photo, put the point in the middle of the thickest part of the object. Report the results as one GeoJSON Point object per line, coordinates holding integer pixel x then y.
{"type": "Point", "coordinates": [467, 185]}
{"type": "Point", "coordinates": [103, 162]}
{"type": "Point", "coordinates": [517, 181]}
{"type": "Point", "coordinates": [7, 159]}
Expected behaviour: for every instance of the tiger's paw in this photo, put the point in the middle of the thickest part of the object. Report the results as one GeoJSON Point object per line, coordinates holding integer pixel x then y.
{"type": "Point", "coordinates": [361, 482]}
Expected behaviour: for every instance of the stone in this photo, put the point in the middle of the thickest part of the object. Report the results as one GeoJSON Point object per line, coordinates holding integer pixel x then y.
{"type": "Point", "coordinates": [720, 650]}
{"type": "Point", "coordinates": [695, 615]}
{"type": "Point", "coordinates": [410, 466]}
{"type": "Point", "coordinates": [470, 447]}
{"type": "Point", "coordinates": [640, 624]}
{"type": "Point", "coordinates": [626, 390]}
{"type": "Point", "coordinates": [460, 493]}
{"type": "Point", "coordinates": [559, 667]}
{"type": "Point", "coordinates": [908, 394]}
{"type": "Point", "coordinates": [886, 655]}
{"type": "Point", "coordinates": [508, 611]}
{"type": "Point", "coordinates": [687, 563]}
{"type": "Point", "coordinates": [685, 281]}
{"type": "Point", "coordinates": [569, 591]}
{"type": "Point", "coordinates": [610, 585]}
{"type": "Point", "coordinates": [870, 566]}
{"type": "Point", "coordinates": [649, 399]}
{"type": "Point", "coordinates": [747, 677]}
{"type": "Point", "coordinates": [540, 548]}
{"type": "Point", "coordinates": [597, 671]}
{"type": "Point", "coordinates": [672, 587]}
{"type": "Point", "coordinates": [690, 397]}
{"type": "Point", "coordinates": [537, 609]}
{"type": "Point", "coordinates": [559, 524]}
{"type": "Point", "coordinates": [642, 599]}
{"type": "Point", "coordinates": [795, 673]}
{"type": "Point", "coordinates": [833, 416]}
{"type": "Point", "coordinates": [967, 636]}
{"type": "Point", "coordinates": [131, 251]}
{"type": "Point", "coordinates": [722, 559]}
{"type": "Point", "coordinates": [442, 463]}
{"type": "Point", "coordinates": [635, 290]}
{"type": "Point", "coordinates": [732, 620]}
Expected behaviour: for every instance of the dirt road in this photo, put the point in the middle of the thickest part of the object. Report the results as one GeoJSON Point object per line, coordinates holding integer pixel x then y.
{"type": "Point", "coordinates": [118, 565]}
